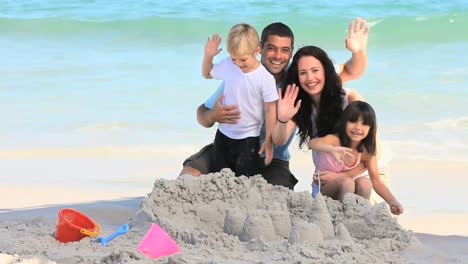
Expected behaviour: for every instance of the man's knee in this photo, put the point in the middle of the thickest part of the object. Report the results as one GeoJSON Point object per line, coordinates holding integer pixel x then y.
{"type": "Point", "coordinates": [199, 163]}
{"type": "Point", "coordinates": [190, 170]}
{"type": "Point", "coordinates": [278, 173]}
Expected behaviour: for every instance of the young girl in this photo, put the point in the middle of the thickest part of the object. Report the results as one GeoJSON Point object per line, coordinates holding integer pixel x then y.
{"type": "Point", "coordinates": [354, 142]}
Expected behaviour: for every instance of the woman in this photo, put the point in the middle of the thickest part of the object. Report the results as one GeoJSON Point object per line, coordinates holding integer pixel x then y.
{"type": "Point", "coordinates": [314, 109]}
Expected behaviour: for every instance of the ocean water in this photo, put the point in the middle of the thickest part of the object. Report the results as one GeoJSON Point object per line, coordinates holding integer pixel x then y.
{"type": "Point", "coordinates": [89, 78]}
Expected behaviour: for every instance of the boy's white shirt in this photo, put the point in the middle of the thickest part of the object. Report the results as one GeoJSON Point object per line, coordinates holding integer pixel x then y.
{"type": "Point", "coordinates": [249, 91]}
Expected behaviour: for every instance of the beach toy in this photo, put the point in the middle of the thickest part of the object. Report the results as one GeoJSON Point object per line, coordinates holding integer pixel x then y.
{"type": "Point", "coordinates": [157, 243]}
{"type": "Point", "coordinates": [73, 226]}
{"type": "Point", "coordinates": [122, 230]}
{"type": "Point", "coordinates": [316, 186]}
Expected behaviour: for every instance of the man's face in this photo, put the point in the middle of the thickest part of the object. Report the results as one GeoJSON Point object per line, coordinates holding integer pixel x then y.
{"type": "Point", "coordinates": [276, 53]}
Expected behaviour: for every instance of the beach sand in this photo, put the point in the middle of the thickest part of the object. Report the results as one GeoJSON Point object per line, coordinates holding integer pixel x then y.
{"type": "Point", "coordinates": [434, 211]}
{"type": "Point", "coordinates": [439, 187]}
{"type": "Point", "coordinates": [198, 226]}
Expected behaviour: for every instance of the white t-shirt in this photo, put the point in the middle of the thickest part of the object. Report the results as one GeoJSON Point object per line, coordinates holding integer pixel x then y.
{"type": "Point", "coordinates": [249, 91]}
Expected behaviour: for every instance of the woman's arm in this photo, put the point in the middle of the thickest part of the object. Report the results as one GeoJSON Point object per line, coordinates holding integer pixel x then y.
{"type": "Point", "coordinates": [287, 108]}
{"type": "Point", "coordinates": [282, 132]}
{"type": "Point", "coordinates": [379, 185]}
{"type": "Point", "coordinates": [270, 121]}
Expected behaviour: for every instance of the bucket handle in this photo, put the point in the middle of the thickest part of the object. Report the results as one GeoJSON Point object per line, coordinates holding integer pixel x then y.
{"type": "Point", "coordinates": [91, 233]}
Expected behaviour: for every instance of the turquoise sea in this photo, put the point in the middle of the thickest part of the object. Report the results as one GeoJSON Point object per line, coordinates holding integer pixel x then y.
{"type": "Point", "coordinates": [127, 74]}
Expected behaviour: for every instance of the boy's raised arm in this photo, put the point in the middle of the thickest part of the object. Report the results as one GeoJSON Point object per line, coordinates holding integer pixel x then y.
{"type": "Point", "coordinates": [211, 49]}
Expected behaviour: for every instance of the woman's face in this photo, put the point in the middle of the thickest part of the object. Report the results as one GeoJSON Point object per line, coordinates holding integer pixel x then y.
{"type": "Point", "coordinates": [311, 75]}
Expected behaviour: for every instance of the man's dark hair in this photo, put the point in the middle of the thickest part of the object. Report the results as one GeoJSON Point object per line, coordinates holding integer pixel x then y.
{"type": "Point", "coordinates": [278, 29]}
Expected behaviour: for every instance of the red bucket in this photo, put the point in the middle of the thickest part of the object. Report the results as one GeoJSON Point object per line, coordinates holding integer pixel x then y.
{"type": "Point", "coordinates": [73, 226]}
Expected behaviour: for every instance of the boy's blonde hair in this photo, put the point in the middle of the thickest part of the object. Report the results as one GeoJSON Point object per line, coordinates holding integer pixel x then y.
{"type": "Point", "coordinates": [242, 39]}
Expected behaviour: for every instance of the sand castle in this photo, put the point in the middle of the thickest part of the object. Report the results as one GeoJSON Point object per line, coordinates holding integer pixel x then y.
{"type": "Point", "coordinates": [219, 218]}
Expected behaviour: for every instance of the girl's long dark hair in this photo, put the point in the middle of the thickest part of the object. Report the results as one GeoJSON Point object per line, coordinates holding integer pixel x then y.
{"type": "Point", "coordinates": [331, 98]}
{"type": "Point", "coordinates": [351, 114]}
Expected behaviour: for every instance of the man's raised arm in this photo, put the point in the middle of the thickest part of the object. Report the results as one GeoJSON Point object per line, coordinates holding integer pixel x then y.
{"type": "Point", "coordinates": [356, 42]}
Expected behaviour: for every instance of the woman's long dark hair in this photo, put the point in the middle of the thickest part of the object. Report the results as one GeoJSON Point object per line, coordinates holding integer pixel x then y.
{"type": "Point", "coordinates": [352, 113]}
{"type": "Point", "coordinates": [331, 98]}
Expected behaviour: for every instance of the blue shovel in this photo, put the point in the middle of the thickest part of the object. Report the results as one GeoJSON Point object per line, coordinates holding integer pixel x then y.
{"type": "Point", "coordinates": [122, 230]}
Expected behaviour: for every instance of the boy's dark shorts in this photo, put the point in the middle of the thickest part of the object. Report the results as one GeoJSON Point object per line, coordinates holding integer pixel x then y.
{"type": "Point", "coordinates": [276, 173]}
{"type": "Point", "coordinates": [240, 155]}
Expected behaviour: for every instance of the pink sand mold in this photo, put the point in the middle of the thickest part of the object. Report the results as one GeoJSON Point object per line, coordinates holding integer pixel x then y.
{"type": "Point", "coordinates": [157, 243]}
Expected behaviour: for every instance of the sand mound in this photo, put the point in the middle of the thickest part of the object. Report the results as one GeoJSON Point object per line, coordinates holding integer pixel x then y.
{"type": "Point", "coordinates": [227, 219]}
{"type": "Point", "coordinates": [219, 218]}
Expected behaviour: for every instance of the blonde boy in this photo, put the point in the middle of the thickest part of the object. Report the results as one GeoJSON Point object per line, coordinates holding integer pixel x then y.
{"type": "Point", "coordinates": [252, 88]}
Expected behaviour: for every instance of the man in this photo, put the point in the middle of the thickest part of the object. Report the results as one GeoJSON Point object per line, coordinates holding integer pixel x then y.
{"type": "Point", "coordinates": [277, 43]}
